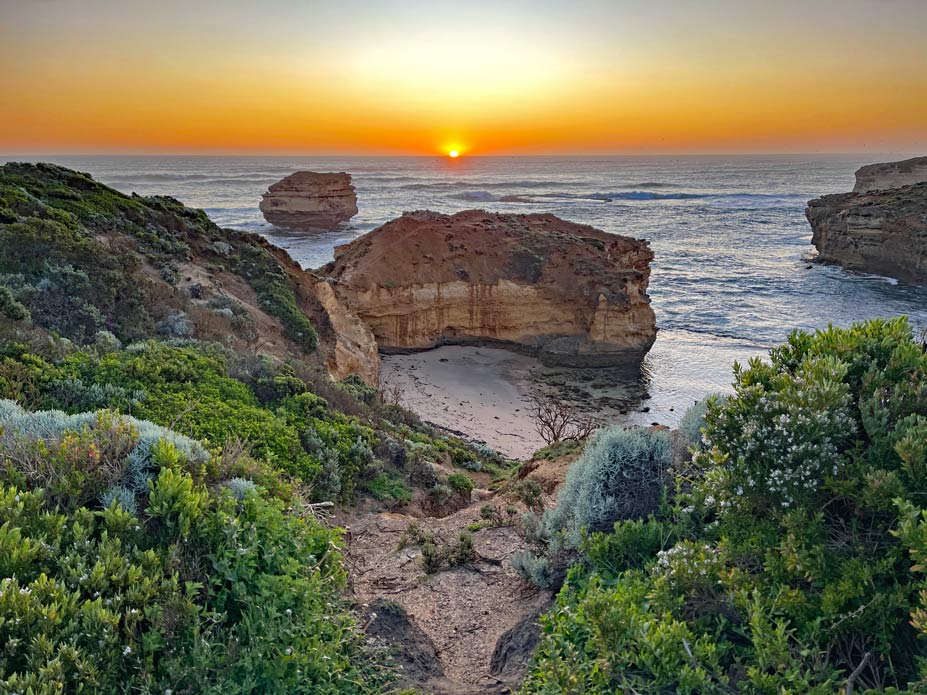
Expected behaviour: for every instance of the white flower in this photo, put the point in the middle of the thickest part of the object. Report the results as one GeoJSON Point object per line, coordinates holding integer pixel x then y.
{"type": "Point", "coordinates": [127, 651]}
{"type": "Point", "coordinates": [287, 651]}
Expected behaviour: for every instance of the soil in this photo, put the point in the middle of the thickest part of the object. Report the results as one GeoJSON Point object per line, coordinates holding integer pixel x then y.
{"type": "Point", "coordinates": [462, 630]}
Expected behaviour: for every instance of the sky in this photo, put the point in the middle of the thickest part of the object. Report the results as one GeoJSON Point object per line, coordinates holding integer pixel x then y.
{"type": "Point", "coordinates": [483, 77]}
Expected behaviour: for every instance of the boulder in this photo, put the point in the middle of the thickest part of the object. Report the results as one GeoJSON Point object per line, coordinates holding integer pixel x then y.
{"type": "Point", "coordinates": [878, 177]}
{"type": "Point", "coordinates": [309, 200]}
{"type": "Point", "coordinates": [876, 230]}
{"type": "Point", "coordinates": [567, 292]}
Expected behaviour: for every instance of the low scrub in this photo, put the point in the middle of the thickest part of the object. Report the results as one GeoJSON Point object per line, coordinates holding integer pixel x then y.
{"type": "Point", "coordinates": [790, 555]}
{"type": "Point", "coordinates": [125, 567]}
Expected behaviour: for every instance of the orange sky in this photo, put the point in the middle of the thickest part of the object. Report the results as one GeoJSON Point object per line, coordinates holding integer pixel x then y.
{"type": "Point", "coordinates": [486, 78]}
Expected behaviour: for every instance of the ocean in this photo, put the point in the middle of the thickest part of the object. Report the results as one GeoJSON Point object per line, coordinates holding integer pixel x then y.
{"type": "Point", "coordinates": [731, 275]}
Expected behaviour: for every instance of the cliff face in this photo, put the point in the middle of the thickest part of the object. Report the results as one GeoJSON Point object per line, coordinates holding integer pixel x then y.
{"type": "Point", "coordinates": [877, 177]}
{"type": "Point", "coordinates": [568, 292]}
{"type": "Point", "coordinates": [307, 200]}
{"type": "Point", "coordinates": [882, 232]}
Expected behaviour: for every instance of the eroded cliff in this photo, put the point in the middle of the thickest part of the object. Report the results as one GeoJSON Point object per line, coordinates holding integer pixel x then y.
{"type": "Point", "coordinates": [568, 292]}
{"type": "Point", "coordinates": [880, 231]}
{"type": "Point", "coordinates": [879, 177]}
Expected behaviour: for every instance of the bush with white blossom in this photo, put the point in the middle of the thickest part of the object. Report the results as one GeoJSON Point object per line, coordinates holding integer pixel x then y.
{"type": "Point", "coordinates": [792, 557]}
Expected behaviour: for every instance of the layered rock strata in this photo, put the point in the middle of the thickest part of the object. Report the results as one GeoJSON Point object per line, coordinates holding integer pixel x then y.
{"type": "Point", "coordinates": [567, 292]}
{"type": "Point", "coordinates": [309, 200]}
{"type": "Point", "coordinates": [881, 230]}
{"type": "Point", "coordinates": [878, 177]}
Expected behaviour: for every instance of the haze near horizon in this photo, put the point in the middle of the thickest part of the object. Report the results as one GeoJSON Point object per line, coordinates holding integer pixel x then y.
{"type": "Point", "coordinates": [368, 77]}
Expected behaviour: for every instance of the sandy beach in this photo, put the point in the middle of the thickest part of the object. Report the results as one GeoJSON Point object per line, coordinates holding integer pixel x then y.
{"type": "Point", "coordinates": [482, 392]}
{"type": "Point", "coordinates": [485, 393]}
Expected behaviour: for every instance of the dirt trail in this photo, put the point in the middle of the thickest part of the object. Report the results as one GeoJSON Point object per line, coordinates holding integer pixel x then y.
{"type": "Point", "coordinates": [461, 631]}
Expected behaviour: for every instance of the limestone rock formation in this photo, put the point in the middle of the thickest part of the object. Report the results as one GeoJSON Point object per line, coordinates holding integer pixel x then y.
{"type": "Point", "coordinates": [353, 346]}
{"type": "Point", "coordinates": [308, 200]}
{"type": "Point", "coordinates": [880, 230]}
{"type": "Point", "coordinates": [878, 177]}
{"type": "Point", "coordinates": [567, 292]}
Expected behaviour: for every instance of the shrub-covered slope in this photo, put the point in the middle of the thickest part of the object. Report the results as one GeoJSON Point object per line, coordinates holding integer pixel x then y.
{"type": "Point", "coordinates": [79, 258]}
{"type": "Point", "coordinates": [163, 421]}
{"type": "Point", "coordinates": [131, 560]}
{"type": "Point", "coordinates": [789, 554]}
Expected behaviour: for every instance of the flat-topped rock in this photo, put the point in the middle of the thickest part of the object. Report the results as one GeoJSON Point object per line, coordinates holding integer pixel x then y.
{"type": "Point", "coordinates": [570, 293]}
{"type": "Point", "coordinates": [882, 231]}
{"type": "Point", "coordinates": [310, 200]}
{"type": "Point", "coordinates": [878, 177]}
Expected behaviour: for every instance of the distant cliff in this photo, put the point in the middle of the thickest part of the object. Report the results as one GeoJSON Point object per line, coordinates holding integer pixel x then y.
{"type": "Point", "coordinates": [568, 292]}
{"type": "Point", "coordinates": [878, 177]}
{"type": "Point", "coordinates": [879, 228]}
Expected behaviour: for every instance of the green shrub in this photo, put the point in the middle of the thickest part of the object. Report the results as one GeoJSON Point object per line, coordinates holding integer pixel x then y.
{"type": "Point", "coordinates": [534, 569]}
{"type": "Point", "coordinates": [530, 493]}
{"type": "Point", "coordinates": [436, 553]}
{"type": "Point", "coordinates": [388, 487]}
{"type": "Point", "coordinates": [10, 307]}
{"type": "Point", "coordinates": [792, 558]}
{"type": "Point", "coordinates": [692, 422]}
{"type": "Point", "coordinates": [460, 483]}
{"type": "Point", "coordinates": [620, 475]}
{"type": "Point", "coordinates": [201, 592]}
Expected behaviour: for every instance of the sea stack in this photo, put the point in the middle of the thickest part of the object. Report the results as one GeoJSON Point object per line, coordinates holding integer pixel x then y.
{"type": "Point", "coordinates": [569, 293]}
{"type": "Point", "coordinates": [310, 200]}
{"type": "Point", "coordinates": [881, 227]}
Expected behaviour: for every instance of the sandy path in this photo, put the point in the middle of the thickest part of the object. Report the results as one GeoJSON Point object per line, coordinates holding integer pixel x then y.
{"type": "Point", "coordinates": [463, 611]}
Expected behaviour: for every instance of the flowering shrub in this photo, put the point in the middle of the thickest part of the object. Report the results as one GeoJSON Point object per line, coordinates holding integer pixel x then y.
{"type": "Point", "coordinates": [791, 556]}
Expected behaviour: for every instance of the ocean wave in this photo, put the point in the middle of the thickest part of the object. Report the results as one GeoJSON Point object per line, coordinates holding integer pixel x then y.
{"type": "Point", "coordinates": [478, 196]}
{"type": "Point", "coordinates": [472, 184]}
{"type": "Point", "coordinates": [655, 195]}
{"type": "Point", "coordinates": [489, 196]}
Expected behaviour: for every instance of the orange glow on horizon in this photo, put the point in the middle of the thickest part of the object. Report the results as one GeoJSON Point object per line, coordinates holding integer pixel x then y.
{"type": "Point", "coordinates": [609, 78]}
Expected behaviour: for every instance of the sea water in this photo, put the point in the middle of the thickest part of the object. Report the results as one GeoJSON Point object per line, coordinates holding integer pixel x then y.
{"type": "Point", "coordinates": [731, 274]}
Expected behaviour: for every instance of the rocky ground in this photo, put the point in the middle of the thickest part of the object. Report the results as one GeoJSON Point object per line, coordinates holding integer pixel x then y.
{"type": "Point", "coordinates": [461, 630]}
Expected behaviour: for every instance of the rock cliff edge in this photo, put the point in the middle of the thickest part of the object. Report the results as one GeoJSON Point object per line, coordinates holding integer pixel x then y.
{"type": "Point", "coordinates": [881, 227]}
{"type": "Point", "coordinates": [567, 292]}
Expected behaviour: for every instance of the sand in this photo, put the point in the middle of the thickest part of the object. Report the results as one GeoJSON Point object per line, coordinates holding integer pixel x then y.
{"type": "Point", "coordinates": [485, 393]}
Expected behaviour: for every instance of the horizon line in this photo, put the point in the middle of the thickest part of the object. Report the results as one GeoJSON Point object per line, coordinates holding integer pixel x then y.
{"type": "Point", "coordinates": [7, 156]}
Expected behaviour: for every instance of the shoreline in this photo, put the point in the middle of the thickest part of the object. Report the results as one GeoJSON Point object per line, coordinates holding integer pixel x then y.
{"type": "Point", "coordinates": [485, 393]}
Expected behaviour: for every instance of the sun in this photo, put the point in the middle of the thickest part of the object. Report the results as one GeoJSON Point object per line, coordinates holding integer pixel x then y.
{"type": "Point", "coordinates": [453, 154]}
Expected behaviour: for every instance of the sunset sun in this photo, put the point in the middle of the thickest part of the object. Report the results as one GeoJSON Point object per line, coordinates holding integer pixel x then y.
{"type": "Point", "coordinates": [453, 154]}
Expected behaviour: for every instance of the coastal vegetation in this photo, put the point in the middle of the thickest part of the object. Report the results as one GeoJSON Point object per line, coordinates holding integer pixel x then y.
{"type": "Point", "coordinates": [164, 476]}
{"type": "Point", "coordinates": [785, 556]}
{"type": "Point", "coordinates": [161, 474]}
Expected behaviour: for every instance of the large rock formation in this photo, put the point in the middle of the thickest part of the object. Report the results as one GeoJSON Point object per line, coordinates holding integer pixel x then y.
{"type": "Point", "coordinates": [874, 229]}
{"type": "Point", "coordinates": [568, 292]}
{"type": "Point", "coordinates": [307, 200]}
{"type": "Point", "coordinates": [878, 177]}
